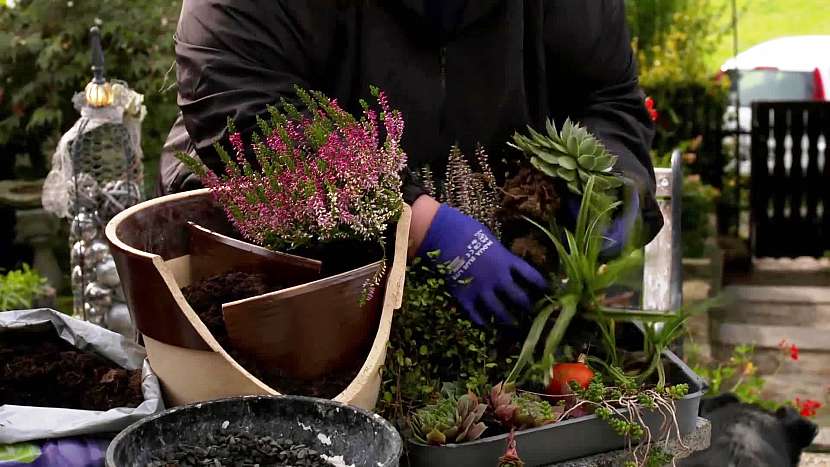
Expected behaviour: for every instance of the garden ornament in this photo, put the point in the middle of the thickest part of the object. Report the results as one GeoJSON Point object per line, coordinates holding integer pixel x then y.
{"type": "Point", "coordinates": [106, 273]}
{"type": "Point", "coordinates": [97, 173]}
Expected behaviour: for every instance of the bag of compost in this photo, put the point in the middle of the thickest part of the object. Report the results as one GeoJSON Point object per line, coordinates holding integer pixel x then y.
{"type": "Point", "coordinates": [62, 377]}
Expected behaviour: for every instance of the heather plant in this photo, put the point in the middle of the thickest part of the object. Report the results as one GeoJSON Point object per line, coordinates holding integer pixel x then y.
{"type": "Point", "coordinates": [468, 185]}
{"type": "Point", "coordinates": [317, 176]}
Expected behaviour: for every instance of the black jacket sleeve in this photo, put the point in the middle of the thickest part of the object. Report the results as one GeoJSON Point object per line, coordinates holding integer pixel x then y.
{"type": "Point", "coordinates": [235, 58]}
{"type": "Point", "coordinates": [603, 89]}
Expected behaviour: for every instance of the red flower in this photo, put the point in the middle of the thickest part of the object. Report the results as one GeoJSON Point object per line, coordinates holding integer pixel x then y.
{"type": "Point", "coordinates": [808, 407]}
{"type": "Point", "coordinates": [652, 112]}
{"type": "Point", "coordinates": [787, 347]}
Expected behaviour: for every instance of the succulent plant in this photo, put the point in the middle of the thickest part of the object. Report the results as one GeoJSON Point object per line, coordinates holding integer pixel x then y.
{"type": "Point", "coordinates": [450, 420]}
{"type": "Point", "coordinates": [572, 154]}
{"type": "Point", "coordinates": [520, 410]}
{"type": "Point", "coordinates": [501, 402]}
{"type": "Point", "coordinates": [533, 412]}
{"type": "Point", "coordinates": [511, 455]}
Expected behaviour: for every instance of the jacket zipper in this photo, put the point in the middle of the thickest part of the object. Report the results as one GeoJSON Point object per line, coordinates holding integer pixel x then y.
{"type": "Point", "coordinates": [442, 106]}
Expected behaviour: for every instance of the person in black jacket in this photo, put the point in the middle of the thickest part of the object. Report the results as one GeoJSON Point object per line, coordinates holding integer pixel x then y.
{"type": "Point", "coordinates": [461, 71]}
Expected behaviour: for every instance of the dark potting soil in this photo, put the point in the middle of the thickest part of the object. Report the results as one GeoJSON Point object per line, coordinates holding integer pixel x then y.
{"type": "Point", "coordinates": [41, 369]}
{"type": "Point", "coordinates": [529, 194]}
{"type": "Point", "coordinates": [206, 298]}
{"type": "Point", "coordinates": [239, 450]}
{"type": "Point", "coordinates": [340, 256]}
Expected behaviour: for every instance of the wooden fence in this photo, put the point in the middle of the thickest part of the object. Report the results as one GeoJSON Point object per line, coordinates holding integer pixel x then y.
{"type": "Point", "coordinates": [790, 184]}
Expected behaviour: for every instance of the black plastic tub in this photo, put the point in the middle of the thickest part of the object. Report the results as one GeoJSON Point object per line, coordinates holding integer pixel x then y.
{"type": "Point", "coordinates": [570, 439]}
{"type": "Point", "coordinates": [363, 439]}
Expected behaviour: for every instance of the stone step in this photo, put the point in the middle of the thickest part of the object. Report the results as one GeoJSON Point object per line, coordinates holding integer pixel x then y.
{"type": "Point", "coordinates": [779, 294]}
{"type": "Point", "coordinates": [786, 271]}
{"type": "Point", "coordinates": [775, 306]}
{"type": "Point", "coordinates": [807, 338]}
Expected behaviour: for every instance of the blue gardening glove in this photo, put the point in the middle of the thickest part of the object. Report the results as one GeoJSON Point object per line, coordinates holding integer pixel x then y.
{"type": "Point", "coordinates": [485, 277]}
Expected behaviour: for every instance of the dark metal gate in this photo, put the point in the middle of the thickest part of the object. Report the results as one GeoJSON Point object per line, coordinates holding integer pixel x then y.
{"type": "Point", "coordinates": [790, 185]}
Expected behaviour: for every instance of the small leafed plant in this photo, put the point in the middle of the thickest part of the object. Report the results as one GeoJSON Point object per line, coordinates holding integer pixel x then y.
{"type": "Point", "coordinates": [20, 288]}
{"type": "Point", "coordinates": [314, 176]}
{"type": "Point", "coordinates": [433, 342]}
{"type": "Point", "coordinates": [450, 420]}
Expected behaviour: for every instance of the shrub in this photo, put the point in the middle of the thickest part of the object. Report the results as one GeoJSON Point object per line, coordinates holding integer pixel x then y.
{"type": "Point", "coordinates": [20, 288]}
{"type": "Point", "coordinates": [433, 343]}
{"type": "Point", "coordinates": [44, 60]}
{"type": "Point", "coordinates": [674, 72]}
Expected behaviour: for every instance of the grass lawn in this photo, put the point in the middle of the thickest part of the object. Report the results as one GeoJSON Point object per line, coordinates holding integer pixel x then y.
{"type": "Point", "coordinates": [761, 20]}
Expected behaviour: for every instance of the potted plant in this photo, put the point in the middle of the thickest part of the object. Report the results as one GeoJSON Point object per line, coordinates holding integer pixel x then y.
{"type": "Point", "coordinates": [552, 405]}
{"type": "Point", "coordinates": [276, 275]}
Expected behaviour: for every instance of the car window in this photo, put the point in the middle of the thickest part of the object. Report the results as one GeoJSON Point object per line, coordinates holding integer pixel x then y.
{"type": "Point", "coordinates": [774, 85]}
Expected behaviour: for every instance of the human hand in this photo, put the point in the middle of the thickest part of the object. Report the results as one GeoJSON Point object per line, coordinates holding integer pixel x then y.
{"type": "Point", "coordinates": [485, 277]}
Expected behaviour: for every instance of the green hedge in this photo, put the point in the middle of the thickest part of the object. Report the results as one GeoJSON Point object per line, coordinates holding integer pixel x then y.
{"type": "Point", "coordinates": [44, 60]}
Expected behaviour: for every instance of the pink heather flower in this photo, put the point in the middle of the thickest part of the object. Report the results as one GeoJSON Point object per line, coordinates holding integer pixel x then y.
{"type": "Point", "coordinates": [339, 190]}
{"type": "Point", "coordinates": [238, 147]}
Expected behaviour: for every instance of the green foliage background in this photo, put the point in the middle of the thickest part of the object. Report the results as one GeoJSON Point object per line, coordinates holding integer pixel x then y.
{"type": "Point", "coordinates": [44, 60]}
{"type": "Point", "coordinates": [19, 288]}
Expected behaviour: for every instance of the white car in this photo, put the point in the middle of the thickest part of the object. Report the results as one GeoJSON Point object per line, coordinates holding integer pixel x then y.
{"type": "Point", "coordinates": [795, 68]}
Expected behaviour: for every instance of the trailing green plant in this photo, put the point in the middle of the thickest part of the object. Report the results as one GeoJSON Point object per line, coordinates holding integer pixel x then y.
{"type": "Point", "coordinates": [20, 288]}
{"type": "Point", "coordinates": [450, 420]}
{"type": "Point", "coordinates": [432, 342]}
{"type": "Point", "coordinates": [623, 408]}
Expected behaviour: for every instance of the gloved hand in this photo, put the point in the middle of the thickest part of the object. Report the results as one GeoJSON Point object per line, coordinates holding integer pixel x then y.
{"type": "Point", "coordinates": [485, 277]}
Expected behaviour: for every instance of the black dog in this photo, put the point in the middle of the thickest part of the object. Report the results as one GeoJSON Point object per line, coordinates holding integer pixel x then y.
{"type": "Point", "coordinates": [744, 435]}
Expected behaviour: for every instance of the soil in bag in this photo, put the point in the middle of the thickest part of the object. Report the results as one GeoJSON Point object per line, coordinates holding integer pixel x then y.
{"type": "Point", "coordinates": [206, 298]}
{"type": "Point", "coordinates": [38, 368]}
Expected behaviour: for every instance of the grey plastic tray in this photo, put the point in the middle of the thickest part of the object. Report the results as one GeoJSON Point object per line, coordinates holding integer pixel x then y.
{"type": "Point", "coordinates": [570, 439]}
